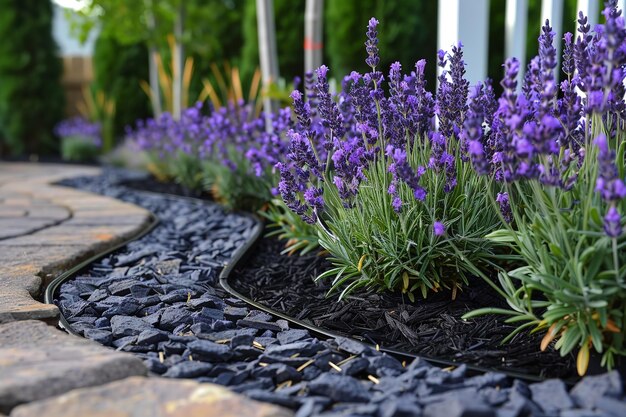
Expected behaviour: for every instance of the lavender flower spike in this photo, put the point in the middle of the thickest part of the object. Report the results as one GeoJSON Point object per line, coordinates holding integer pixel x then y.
{"type": "Point", "coordinates": [371, 45]}
{"type": "Point", "coordinates": [505, 207]}
{"type": "Point", "coordinates": [613, 223]}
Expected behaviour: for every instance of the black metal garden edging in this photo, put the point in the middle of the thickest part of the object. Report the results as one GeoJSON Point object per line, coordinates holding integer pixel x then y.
{"type": "Point", "coordinates": [51, 289]}
{"type": "Point", "coordinates": [238, 257]}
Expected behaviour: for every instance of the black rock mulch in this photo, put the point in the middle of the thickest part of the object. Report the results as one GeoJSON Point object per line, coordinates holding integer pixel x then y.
{"type": "Point", "coordinates": [430, 327]}
{"type": "Point", "coordinates": [159, 298]}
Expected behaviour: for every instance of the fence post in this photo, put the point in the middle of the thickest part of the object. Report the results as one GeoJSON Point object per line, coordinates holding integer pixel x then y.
{"type": "Point", "coordinates": [468, 22]}
{"type": "Point", "coordinates": [267, 52]}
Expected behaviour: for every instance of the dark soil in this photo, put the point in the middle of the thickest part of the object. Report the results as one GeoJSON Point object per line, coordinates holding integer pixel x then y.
{"type": "Point", "coordinates": [430, 327]}
{"type": "Point", "coordinates": [153, 185]}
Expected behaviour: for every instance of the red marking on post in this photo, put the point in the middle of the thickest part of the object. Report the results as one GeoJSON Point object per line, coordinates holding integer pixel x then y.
{"type": "Point", "coordinates": [310, 45]}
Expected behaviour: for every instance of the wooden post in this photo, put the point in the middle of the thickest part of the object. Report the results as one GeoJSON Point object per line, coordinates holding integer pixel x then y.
{"type": "Point", "coordinates": [267, 51]}
{"type": "Point", "coordinates": [178, 54]}
{"type": "Point", "coordinates": [466, 21]}
{"type": "Point", "coordinates": [155, 98]}
{"type": "Point", "coordinates": [516, 25]}
{"type": "Point", "coordinates": [313, 34]}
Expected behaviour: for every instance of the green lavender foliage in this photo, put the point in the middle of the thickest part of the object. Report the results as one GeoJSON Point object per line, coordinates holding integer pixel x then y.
{"type": "Point", "coordinates": [574, 276]}
{"type": "Point", "coordinates": [372, 246]}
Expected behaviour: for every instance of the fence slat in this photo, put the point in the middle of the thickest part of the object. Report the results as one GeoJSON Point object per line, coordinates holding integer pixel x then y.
{"type": "Point", "coordinates": [553, 10]}
{"type": "Point", "coordinates": [516, 25]}
{"type": "Point", "coordinates": [591, 9]}
{"type": "Point", "coordinates": [468, 22]}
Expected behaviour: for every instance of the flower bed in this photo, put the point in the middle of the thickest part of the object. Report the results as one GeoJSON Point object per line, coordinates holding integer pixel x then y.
{"type": "Point", "coordinates": [171, 274]}
{"type": "Point", "coordinates": [420, 194]}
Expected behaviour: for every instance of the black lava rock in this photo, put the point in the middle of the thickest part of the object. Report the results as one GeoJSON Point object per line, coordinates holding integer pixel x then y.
{"type": "Point", "coordinates": [128, 326]}
{"type": "Point", "coordinates": [188, 369]}
{"type": "Point", "coordinates": [339, 388]}
{"type": "Point", "coordinates": [207, 350]}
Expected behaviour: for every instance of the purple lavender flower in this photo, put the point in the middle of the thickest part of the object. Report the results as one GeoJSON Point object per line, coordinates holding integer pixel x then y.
{"type": "Point", "coordinates": [452, 93]}
{"type": "Point", "coordinates": [568, 55]}
{"type": "Point", "coordinates": [371, 45]}
{"type": "Point", "coordinates": [328, 109]}
{"type": "Point", "coordinates": [396, 203]}
{"type": "Point", "coordinates": [439, 229]}
{"type": "Point", "coordinates": [79, 127]}
{"type": "Point", "coordinates": [613, 223]}
{"type": "Point", "coordinates": [505, 207]}
{"type": "Point", "coordinates": [401, 170]}
{"type": "Point", "coordinates": [608, 183]}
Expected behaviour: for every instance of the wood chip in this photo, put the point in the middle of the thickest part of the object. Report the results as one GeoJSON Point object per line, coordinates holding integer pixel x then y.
{"type": "Point", "coordinates": [335, 367]}
{"type": "Point", "coordinates": [258, 345]}
{"type": "Point", "coordinates": [161, 357]}
{"type": "Point", "coordinates": [222, 341]}
{"type": "Point", "coordinates": [305, 364]}
{"type": "Point", "coordinates": [263, 364]}
{"type": "Point", "coordinates": [348, 359]}
{"type": "Point", "coordinates": [373, 379]}
{"type": "Point", "coordinates": [282, 385]}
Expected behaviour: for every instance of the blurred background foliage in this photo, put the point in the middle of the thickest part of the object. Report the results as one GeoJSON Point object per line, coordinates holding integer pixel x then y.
{"type": "Point", "coordinates": [220, 33]}
{"type": "Point", "coordinates": [31, 97]}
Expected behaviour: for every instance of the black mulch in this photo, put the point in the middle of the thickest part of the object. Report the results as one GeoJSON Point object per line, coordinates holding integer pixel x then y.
{"type": "Point", "coordinates": [430, 327]}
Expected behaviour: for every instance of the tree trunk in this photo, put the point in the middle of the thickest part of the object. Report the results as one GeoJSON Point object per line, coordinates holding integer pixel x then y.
{"type": "Point", "coordinates": [267, 52]}
{"type": "Point", "coordinates": [155, 98]}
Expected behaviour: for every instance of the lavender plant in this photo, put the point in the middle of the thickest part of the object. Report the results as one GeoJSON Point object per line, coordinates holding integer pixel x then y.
{"type": "Point", "coordinates": [172, 146]}
{"type": "Point", "coordinates": [80, 139]}
{"type": "Point", "coordinates": [228, 153]}
{"type": "Point", "coordinates": [558, 149]}
{"type": "Point", "coordinates": [394, 201]}
{"type": "Point", "coordinates": [239, 153]}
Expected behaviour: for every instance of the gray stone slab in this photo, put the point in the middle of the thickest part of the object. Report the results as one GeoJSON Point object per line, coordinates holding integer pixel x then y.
{"type": "Point", "coordinates": [39, 361]}
{"type": "Point", "coordinates": [151, 397]}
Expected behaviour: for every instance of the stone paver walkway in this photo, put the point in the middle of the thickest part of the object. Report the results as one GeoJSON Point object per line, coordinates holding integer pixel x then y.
{"type": "Point", "coordinates": [46, 229]}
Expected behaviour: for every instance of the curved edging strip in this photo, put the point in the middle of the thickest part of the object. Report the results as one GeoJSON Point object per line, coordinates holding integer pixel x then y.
{"type": "Point", "coordinates": [238, 257]}
{"type": "Point", "coordinates": [244, 250]}
{"type": "Point", "coordinates": [51, 289]}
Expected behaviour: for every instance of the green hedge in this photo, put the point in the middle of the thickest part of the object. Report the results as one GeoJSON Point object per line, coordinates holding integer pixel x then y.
{"type": "Point", "coordinates": [118, 69]}
{"type": "Point", "coordinates": [31, 96]}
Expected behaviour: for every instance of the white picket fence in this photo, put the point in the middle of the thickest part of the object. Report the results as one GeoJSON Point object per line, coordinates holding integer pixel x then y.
{"type": "Point", "coordinates": [468, 21]}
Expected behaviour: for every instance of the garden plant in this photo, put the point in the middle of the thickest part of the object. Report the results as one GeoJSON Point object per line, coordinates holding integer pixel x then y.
{"type": "Point", "coordinates": [559, 151]}
{"type": "Point", "coordinates": [81, 140]}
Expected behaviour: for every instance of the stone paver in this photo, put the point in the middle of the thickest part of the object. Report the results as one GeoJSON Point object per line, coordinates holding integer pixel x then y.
{"type": "Point", "coordinates": [154, 397]}
{"type": "Point", "coordinates": [38, 361]}
{"type": "Point", "coordinates": [46, 229]}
